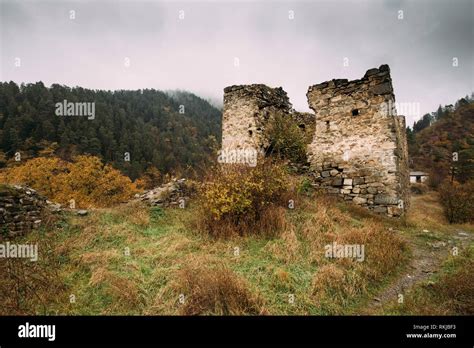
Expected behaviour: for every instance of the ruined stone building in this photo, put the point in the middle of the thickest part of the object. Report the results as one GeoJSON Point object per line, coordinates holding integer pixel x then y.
{"type": "Point", "coordinates": [359, 149]}
{"type": "Point", "coordinates": [246, 110]}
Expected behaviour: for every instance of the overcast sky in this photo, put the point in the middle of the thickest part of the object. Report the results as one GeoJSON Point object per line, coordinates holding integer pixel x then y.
{"type": "Point", "coordinates": [145, 44]}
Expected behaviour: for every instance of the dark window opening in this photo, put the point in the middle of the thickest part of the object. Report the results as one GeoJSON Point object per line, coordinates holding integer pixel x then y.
{"type": "Point", "coordinates": [355, 112]}
{"type": "Point", "coordinates": [418, 178]}
{"type": "Point", "coordinates": [302, 126]}
{"type": "Point", "coordinates": [250, 132]}
{"type": "Point", "coordinates": [327, 125]}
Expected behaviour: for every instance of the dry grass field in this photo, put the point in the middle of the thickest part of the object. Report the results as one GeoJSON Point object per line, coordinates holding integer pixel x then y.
{"type": "Point", "coordinates": [134, 260]}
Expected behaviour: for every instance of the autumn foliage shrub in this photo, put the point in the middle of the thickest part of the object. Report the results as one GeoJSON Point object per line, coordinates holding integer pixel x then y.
{"type": "Point", "coordinates": [86, 180]}
{"type": "Point", "coordinates": [458, 201]}
{"type": "Point", "coordinates": [243, 200]}
{"type": "Point", "coordinates": [39, 173]}
{"type": "Point", "coordinates": [285, 139]}
{"type": "Point", "coordinates": [150, 179]}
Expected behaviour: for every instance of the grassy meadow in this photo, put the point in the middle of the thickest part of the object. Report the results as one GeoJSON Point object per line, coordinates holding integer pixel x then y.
{"type": "Point", "coordinates": [137, 260]}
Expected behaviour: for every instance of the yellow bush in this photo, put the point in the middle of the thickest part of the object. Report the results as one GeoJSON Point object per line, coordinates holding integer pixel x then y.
{"type": "Point", "coordinates": [39, 173]}
{"type": "Point", "coordinates": [86, 180]}
{"type": "Point", "coordinates": [241, 197]}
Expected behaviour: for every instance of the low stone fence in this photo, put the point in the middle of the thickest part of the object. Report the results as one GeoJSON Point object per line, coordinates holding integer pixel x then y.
{"type": "Point", "coordinates": [21, 210]}
{"type": "Point", "coordinates": [173, 193]}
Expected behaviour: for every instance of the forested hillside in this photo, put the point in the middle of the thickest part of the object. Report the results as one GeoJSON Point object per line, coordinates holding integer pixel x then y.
{"type": "Point", "coordinates": [436, 136]}
{"type": "Point", "coordinates": [172, 132]}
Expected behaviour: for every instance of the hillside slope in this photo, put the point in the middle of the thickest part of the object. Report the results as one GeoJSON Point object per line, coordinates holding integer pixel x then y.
{"type": "Point", "coordinates": [171, 132]}
{"type": "Point", "coordinates": [431, 148]}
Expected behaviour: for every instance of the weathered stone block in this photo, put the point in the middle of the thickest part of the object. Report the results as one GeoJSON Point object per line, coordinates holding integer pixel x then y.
{"type": "Point", "coordinates": [385, 199]}
{"type": "Point", "coordinates": [348, 182]}
{"type": "Point", "coordinates": [372, 190]}
{"type": "Point", "coordinates": [326, 165]}
{"type": "Point", "coordinates": [370, 179]}
{"type": "Point", "coordinates": [371, 72]}
{"type": "Point", "coordinates": [380, 210]}
{"type": "Point", "coordinates": [325, 174]}
{"type": "Point", "coordinates": [359, 200]}
{"type": "Point", "coordinates": [384, 88]}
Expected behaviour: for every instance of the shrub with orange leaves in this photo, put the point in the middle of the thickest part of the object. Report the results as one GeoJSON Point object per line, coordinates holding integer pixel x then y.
{"type": "Point", "coordinates": [150, 179]}
{"type": "Point", "coordinates": [86, 180]}
{"type": "Point", "coordinates": [39, 173]}
{"type": "Point", "coordinates": [241, 199]}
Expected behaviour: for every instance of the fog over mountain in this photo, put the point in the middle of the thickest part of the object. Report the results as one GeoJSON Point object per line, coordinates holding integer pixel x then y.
{"type": "Point", "coordinates": [204, 46]}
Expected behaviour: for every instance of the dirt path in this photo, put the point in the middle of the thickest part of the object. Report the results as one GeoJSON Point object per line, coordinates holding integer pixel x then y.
{"type": "Point", "coordinates": [427, 257]}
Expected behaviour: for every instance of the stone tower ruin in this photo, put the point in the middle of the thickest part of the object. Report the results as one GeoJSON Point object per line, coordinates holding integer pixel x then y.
{"type": "Point", "coordinates": [246, 110]}
{"type": "Point", "coordinates": [359, 149]}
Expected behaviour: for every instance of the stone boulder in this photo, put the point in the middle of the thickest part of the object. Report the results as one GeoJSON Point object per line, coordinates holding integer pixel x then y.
{"type": "Point", "coordinates": [172, 193]}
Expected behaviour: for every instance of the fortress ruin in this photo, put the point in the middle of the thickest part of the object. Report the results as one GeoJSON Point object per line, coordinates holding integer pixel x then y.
{"type": "Point", "coordinates": [246, 111]}
{"type": "Point", "coordinates": [359, 148]}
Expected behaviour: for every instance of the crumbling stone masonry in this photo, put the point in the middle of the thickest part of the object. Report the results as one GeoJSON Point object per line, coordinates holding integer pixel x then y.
{"type": "Point", "coordinates": [359, 150]}
{"type": "Point", "coordinates": [21, 210]}
{"type": "Point", "coordinates": [246, 110]}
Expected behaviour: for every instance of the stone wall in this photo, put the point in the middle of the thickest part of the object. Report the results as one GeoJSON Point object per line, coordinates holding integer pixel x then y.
{"type": "Point", "coordinates": [403, 169]}
{"type": "Point", "coordinates": [304, 120]}
{"type": "Point", "coordinates": [21, 210]}
{"type": "Point", "coordinates": [246, 110]}
{"type": "Point", "coordinates": [174, 193]}
{"type": "Point", "coordinates": [359, 150]}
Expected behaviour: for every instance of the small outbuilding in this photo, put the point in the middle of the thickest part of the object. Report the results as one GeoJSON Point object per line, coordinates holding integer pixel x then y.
{"type": "Point", "coordinates": [418, 177]}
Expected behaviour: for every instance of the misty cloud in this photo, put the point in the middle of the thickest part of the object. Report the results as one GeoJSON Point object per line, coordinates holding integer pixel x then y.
{"type": "Point", "coordinates": [197, 53]}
